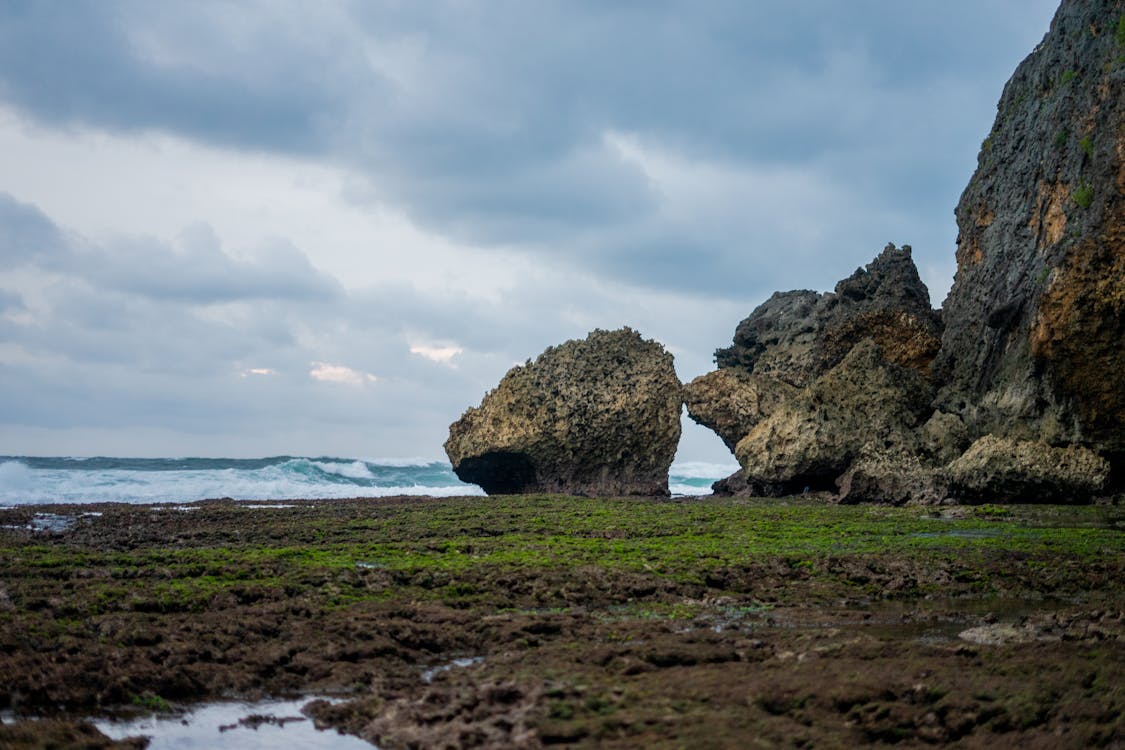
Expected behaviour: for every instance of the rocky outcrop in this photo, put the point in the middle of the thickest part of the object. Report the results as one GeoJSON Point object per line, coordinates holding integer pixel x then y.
{"type": "Point", "coordinates": [731, 401]}
{"type": "Point", "coordinates": [797, 336]}
{"type": "Point", "coordinates": [864, 402]}
{"type": "Point", "coordinates": [1032, 348]}
{"type": "Point", "coordinates": [997, 469]}
{"type": "Point", "coordinates": [783, 398]}
{"type": "Point", "coordinates": [600, 416]}
{"type": "Point", "coordinates": [1025, 356]}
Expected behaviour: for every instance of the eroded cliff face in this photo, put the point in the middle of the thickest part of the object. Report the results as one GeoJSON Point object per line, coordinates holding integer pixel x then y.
{"type": "Point", "coordinates": [600, 416]}
{"type": "Point", "coordinates": [1035, 321]}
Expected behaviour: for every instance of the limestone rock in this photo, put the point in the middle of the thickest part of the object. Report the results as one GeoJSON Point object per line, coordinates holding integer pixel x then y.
{"type": "Point", "coordinates": [798, 336]}
{"type": "Point", "coordinates": [600, 416]}
{"type": "Point", "coordinates": [865, 402]}
{"type": "Point", "coordinates": [894, 478]}
{"type": "Point", "coordinates": [943, 438]}
{"type": "Point", "coordinates": [1034, 323]}
{"type": "Point", "coordinates": [999, 469]}
{"type": "Point", "coordinates": [731, 402]}
{"type": "Point", "coordinates": [778, 338]}
{"type": "Point", "coordinates": [738, 485]}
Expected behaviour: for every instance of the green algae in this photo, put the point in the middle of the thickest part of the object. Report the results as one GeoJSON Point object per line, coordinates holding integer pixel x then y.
{"type": "Point", "coordinates": [453, 550]}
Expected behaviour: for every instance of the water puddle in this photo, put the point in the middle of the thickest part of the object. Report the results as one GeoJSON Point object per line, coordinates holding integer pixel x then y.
{"type": "Point", "coordinates": [429, 675]}
{"type": "Point", "coordinates": [234, 726]}
{"type": "Point", "coordinates": [50, 522]}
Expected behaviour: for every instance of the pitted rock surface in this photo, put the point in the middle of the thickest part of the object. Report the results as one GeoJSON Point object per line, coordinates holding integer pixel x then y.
{"type": "Point", "coordinates": [731, 402]}
{"type": "Point", "coordinates": [797, 336]}
{"type": "Point", "coordinates": [865, 403]}
{"type": "Point", "coordinates": [1035, 320]}
{"type": "Point", "coordinates": [600, 416]}
{"type": "Point", "coordinates": [998, 469]}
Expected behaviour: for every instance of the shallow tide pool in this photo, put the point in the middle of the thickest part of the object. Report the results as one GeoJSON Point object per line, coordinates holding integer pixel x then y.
{"type": "Point", "coordinates": [227, 726]}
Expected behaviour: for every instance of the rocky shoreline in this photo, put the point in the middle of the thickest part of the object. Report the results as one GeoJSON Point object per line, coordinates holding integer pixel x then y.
{"type": "Point", "coordinates": [533, 620]}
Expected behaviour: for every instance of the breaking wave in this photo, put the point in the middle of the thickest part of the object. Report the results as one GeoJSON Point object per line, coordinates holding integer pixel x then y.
{"type": "Point", "coordinates": [28, 480]}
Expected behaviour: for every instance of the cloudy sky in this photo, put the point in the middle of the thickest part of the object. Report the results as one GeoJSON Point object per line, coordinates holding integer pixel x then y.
{"type": "Point", "coordinates": [255, 228]}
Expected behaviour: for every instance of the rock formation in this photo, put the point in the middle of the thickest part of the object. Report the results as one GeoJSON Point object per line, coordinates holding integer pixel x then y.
{"type": "Point", "coordinates": [731, 401]}
{"type": "Point", "coordinates": [1024, 358]}
{"type": "Point", "coordinates": [600, 416]}
{"type": "Point", "coordinates": [863, 402]}
{"type": "Point", "coordinates": [1035, 321]}
{"type": "Point", "coordinates": [812, 379]}
{"type": "Point", "coordinates": [1011, 393]}
{"type": "Point", "coordinates": [797, 336]}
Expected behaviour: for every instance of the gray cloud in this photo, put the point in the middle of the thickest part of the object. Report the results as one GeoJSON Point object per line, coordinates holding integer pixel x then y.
{"type": "Point", "coordinates": [485, 122]}
{"type": "Point", "coordinates": [26, 234]}
{"type": "Point", "coordinates": [199, 271]}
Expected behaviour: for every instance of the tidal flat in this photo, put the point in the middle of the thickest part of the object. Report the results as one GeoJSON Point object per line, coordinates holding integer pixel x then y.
{"type": "Point", "coordinates": [535, 620]}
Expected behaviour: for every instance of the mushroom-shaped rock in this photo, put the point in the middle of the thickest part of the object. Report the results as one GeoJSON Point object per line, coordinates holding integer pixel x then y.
{"type": "Point", "coordinates": [1000, 469]}
{"type": "Point", "coordinates": [600, 417]}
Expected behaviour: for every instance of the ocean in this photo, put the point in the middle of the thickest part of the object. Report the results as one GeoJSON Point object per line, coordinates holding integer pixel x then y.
{"type": "Point", "coordinates": [28, 480]}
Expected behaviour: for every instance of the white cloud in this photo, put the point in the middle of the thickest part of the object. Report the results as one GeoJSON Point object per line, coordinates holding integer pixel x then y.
{"type": "Point", "coordinates": [441, 354]}
{"type": "Point", "coordinates": [329, 373]}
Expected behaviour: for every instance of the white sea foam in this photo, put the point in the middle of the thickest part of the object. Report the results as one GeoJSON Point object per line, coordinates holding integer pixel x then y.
{"type": "Point", "coordinates": [402, 463]}
{"type": "Point", "coordinates": [289, 479]}
{"type": "Point", "coordinates": [14, 475]}
{"type": "Point", "coordinates": [688, 489]}
{"type": "Point", "coordinates": [353, 470]}
{"type": "Point", "coordinates": [43, 481]}
{"type": "Point", "coordinates": [702, 470]}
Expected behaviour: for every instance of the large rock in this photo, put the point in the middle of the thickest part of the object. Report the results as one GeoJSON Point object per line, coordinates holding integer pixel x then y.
{"type": "Point", "coordinates": [731, 402]}
{"type": "Point", "coordinates": [600, 416]}
{"type": "Point", "coordinates": [998, 469]}
{"type": "Point", "coordinates": [865, 403]}
{"type": "Point", "coordinates": [797, 336]}
{"type": "Point", "coordinates": [1035, 320]}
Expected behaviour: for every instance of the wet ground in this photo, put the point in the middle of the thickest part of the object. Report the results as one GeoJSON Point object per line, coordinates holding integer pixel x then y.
{"type": "Point", "coordinates": [536, 621]}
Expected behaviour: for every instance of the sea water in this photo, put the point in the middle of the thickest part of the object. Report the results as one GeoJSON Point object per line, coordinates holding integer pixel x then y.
{"type": "Point", "coordinates": [37, 480]}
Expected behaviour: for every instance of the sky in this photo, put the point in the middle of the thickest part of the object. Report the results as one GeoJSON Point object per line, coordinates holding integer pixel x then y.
{"type": "Point", "coordinates": [281, 227]}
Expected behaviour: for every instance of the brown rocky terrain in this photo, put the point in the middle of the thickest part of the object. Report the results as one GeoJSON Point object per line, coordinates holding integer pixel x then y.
{"type": "Point", "coordinates": [536, 621]}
